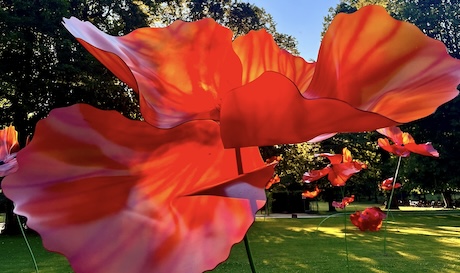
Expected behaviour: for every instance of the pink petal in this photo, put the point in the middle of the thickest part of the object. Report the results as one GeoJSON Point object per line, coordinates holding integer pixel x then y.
{"type": "Point", "coordinates": [393, 133]}
{"type": "Point", "coordinates": [422, 149]}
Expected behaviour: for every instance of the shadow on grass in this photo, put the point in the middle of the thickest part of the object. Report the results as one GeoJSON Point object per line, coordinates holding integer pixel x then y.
{"type": "Point", "coordinates": [419, 243]}
{"type": "Point", "coordinates": [416, 242]}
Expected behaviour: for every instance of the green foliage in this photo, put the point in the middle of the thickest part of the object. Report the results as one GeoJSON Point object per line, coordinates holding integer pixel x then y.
{"type": "Point", "coordinates": [43, 67]}
{"type": "Point", "coordinates": [240, 17]}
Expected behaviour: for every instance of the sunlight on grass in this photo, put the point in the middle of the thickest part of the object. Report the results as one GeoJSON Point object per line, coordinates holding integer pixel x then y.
{"type": "Point", "coordinates": [420, 242]}
{"type": "Point", "coordinates": [427, 232]}
{"type": "Point", "coordinates": [334, 231]}
{"type": "Point", "coordinates": [407, 255]}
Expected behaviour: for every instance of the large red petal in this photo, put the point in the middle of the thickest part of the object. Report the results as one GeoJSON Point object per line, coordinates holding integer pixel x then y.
{"type": "Point", "coordinates": [259, 53]}
{"type": "Point", "coordinates": [270, 110]}
{"type": "Point", "coordinates": [179, 71]}
{"type": "Point", "coordinates": [382, 65]}
{"type": "Point", "coordinates": [116, 195]}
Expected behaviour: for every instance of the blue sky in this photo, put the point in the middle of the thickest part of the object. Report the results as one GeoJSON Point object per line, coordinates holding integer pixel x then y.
{"type": "Point", "coordinates": [302, 19]}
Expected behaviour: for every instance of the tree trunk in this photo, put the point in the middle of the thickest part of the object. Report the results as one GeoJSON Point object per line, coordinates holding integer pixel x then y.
{"type": "Point", "coordinates": [394, 202]}
{"type": "Point", "coordinates": [447, 199]}
{"type": "Point", "coordinates": [331, 207]}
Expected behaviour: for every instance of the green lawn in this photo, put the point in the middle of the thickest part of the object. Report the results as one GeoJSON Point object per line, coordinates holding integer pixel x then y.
{"type": "Point", "coordinates": [417, 241]}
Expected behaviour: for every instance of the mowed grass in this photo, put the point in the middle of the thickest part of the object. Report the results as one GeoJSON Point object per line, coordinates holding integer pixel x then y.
{"type": "Point", "coordinates": [417, 241]}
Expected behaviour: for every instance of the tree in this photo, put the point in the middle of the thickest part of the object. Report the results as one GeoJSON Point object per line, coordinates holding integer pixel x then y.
{"type": "Point", "coordinates": [438, 19]}
{"type": "Point", "coordinates": [240, 17]}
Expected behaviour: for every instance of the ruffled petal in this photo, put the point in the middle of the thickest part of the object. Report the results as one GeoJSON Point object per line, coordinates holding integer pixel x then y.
{"type": "Point", "coordinates": [426, 149]}
{"type": "Point", "coordinates": [369, 219]}
{"type": "Point", "coordinates": [387, 184]}
{"type": "Point", "coordinates": [333, 158]}
{"type": "Point", "coordinates": [8, 142]}
{"type": "Point", "coordinates": [342, 172]}
{"type": "Point", "coordinates": [179, 71]}
{"type": "Point", "coordinates": [346, 156]}
{"type": "Point", "coordinates": [385, 66]}
{"type": "Point", "coordinates": [270, 110]}
{"type": "Point", "coordinates": [398, 150]}
{"type": "Point", "coordinates": [133, 198]}
{"type": "Point", "coordinates": [314, 175]}
{"type": "Point", "coordinates": [259, 53]}
{"type": "Point", "coordinates": [8, 165]}
{"type": "Point", "coordinates": [345, 202]}
{"type": "Point", "coordinates": [393, 133]}
{"type": "Point", "coordinates": [311, 194]}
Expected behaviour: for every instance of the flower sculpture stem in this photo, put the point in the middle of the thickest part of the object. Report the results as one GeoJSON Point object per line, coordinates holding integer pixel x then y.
{"type": "Point", "coordinates": [248, 252]}
{"type": "Point", "coordinates": [389, 205]}
{"type": "Point", "coordinates": [246, 241]}
{"type": "Point", "coordinates": [27, 243]}
{"type": "Point", "coordinates": [345, 230]}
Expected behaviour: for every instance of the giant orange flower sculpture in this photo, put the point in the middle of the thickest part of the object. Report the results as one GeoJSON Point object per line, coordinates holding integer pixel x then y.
{"type": "Point", "coordinates": [369, 219]}
{"type": "Point", "coordinates": [9, 146]}
{"type": "Point", "coordinates": [342, 167]}
{"type": "Point", "coordinates": [190, 71]}
{"type": "Point", "coordinates": [116, 195]}
{"type": "Point", "coordinates": [403, 143]}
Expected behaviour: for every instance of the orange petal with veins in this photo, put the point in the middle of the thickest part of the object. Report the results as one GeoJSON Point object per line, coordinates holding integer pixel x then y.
{"type": "Point", "coordinates": [372, 70]}
{"type": "Point", "coordinates": [180, 71]}
{"type": "Point", "coordinates": [259, 53]}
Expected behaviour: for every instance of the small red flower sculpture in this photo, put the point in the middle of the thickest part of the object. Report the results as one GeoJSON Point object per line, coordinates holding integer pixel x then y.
{"type": "Point", "coordinates": [311, 194]}
{"type": "Point", "coordinates": [345, 202]}
{"type": "Point", "coordinates": [9, 146]}
{"type": "Point", "coordinates": [387, 184]}
{"type": "Point", "coordinates": [403, 143]}
{"type": "Point", "coordinates": [116, 195]}
{"type": "Point", "coordinates": [274, 180]}
{"type": "Point", "coordinates": [369, 219]}
{"type": "Point", "coordinates": [342, 167]}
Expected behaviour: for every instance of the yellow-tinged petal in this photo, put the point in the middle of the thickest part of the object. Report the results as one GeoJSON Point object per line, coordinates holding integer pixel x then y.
{"type": "Point", "coordinates": [383, 65]}
{"type": "Point", "coordinates": [180, 71]}
{"type": "Point", "coordinates": [259, 53]}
